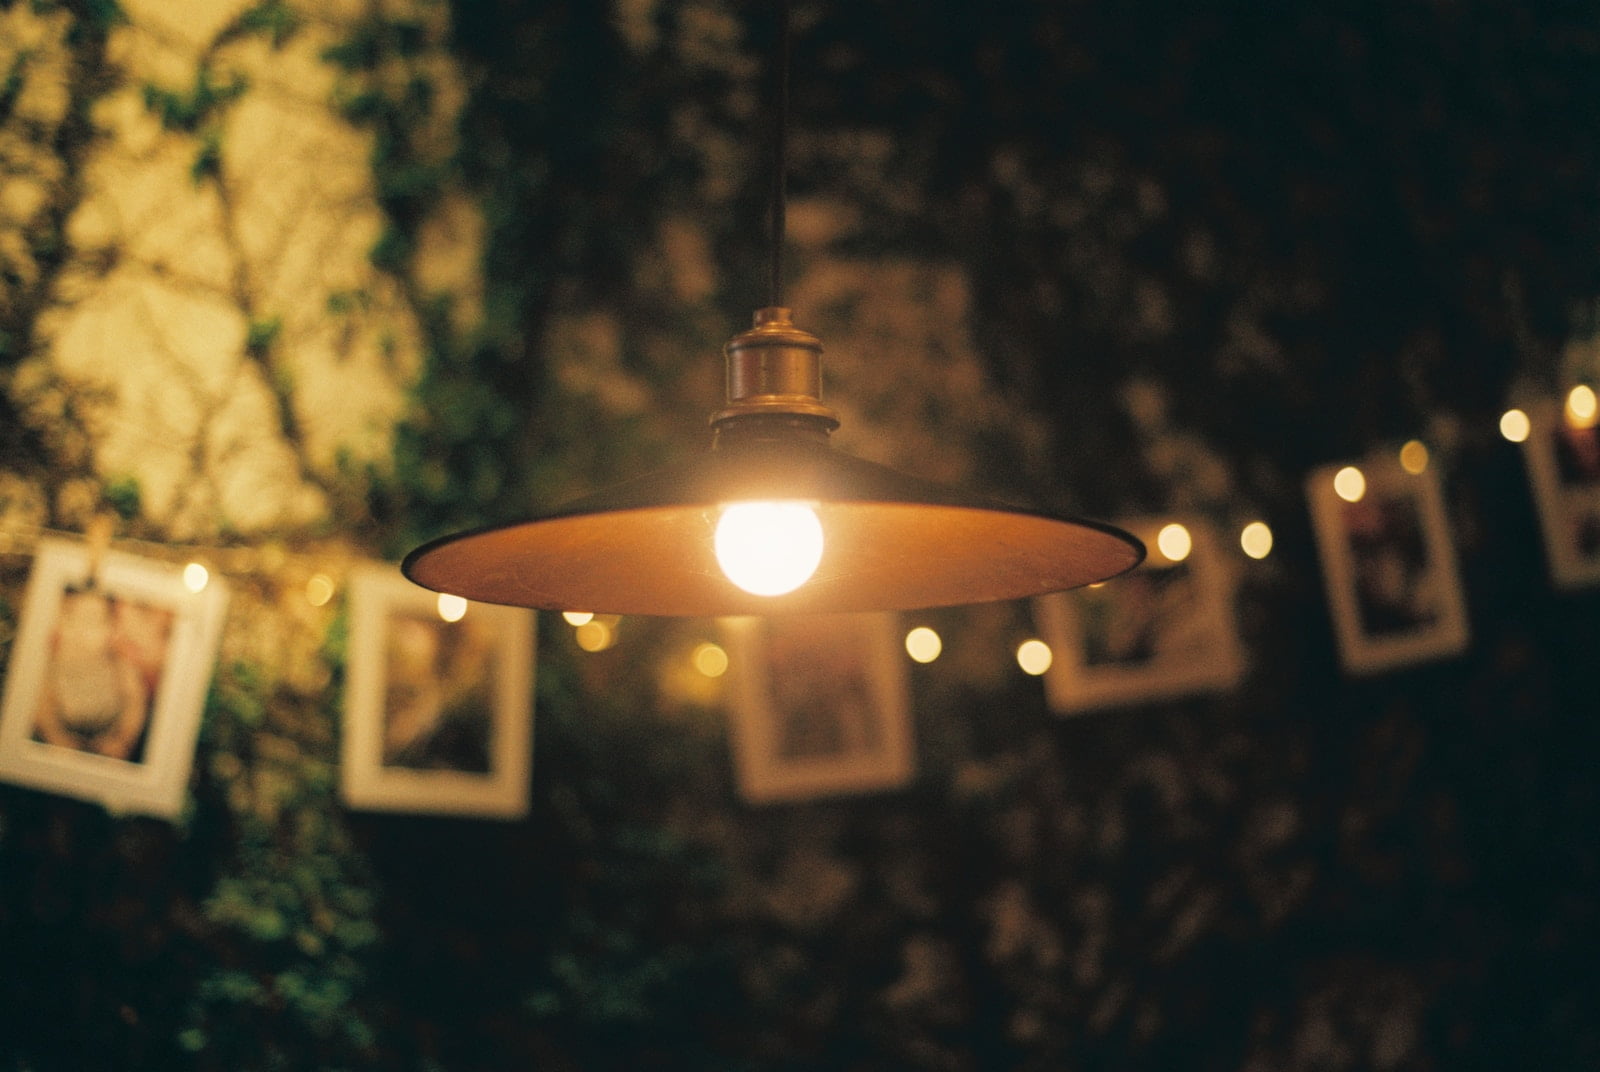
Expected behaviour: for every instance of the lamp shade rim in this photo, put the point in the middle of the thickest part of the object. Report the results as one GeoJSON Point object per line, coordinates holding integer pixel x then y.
{"type": "Point", "coordinates": [895, 542]}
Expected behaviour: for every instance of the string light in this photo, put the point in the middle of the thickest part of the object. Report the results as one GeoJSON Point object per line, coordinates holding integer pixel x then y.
{"type": "Point", "coordinates": [1256, 539]}
{"type": "Point", "coordinates": [1174, 542]}
{"type": "Point", "coordinates": [1414, 457]}
{"type": "Point", "coordinates": [1515, 426]}
{"type": "Point", "coordinates": [710, 660]}
{"type": "Point", "coordinates": [1034, 656]}
{"type": "Point", "coordinates": [594, 636]}
{"type": "Point", "coordinates": [923, 644]}
{"type": "Point", "coordinates": [1583, 409]}
{"type": "Point", "coordinates": [576, 618]}
{"type": "Point", "coordinates": [319, 590]}
{"type": "Point", "coordinates": [1349, 484]}
{"type": "Point", "coordinates": [196, 577]}
{"type": "Point", "coordinates": [452, 608]}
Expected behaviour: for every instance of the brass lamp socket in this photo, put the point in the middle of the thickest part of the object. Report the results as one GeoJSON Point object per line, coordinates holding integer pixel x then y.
{"type": "Point", "coordinates": [774, 370]}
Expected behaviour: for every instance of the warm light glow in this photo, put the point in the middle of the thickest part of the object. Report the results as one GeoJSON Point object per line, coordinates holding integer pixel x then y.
{"type": "Point", "coordinates": [1583, 410]}
{"type": "Point", "coordinates": [1349, 484]}
{"type": "Point", "coordinates": [319, 589]}
{"type": "Point", "coordinates": [1174, 542]}
{"type": "Point", "coordinates": [768, 548]}
{"type": "Point", "coordinates": [576, 618]}
{"type": "Point", "coordinates": [196, 577]}
{"type": "Point", "coordinates": [710, 660]}
{"type": "Point", "coordinates": [923, 644]}
{"type": "Point", "coordinates": [1034, 657]}
{"type": "Point", "coordinates": [452, 608]}
{"type": "Point", "coordinates": [1515, 426]}
{"type": "Point", "coordinates": [1414, 457]}
{"type": "Point", "coordinates": [594, 636]}
{"type": "Point", "coordinates": [1256, 539]}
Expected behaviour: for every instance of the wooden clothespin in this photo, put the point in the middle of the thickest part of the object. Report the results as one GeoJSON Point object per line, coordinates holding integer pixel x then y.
{"type": "Point", "coordinates": [97, 539]}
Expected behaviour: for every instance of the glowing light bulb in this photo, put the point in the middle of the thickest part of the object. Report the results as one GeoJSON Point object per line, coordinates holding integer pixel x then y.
{"type": "Point", "coordinates": [923, 644]}
{"type": "Point", "coordinates": [196, 577]}
{"type": "Point", "coordinates": [1583, 408]}
{"type": "Point", "coordinates": [576, 618]}
{"type": "Point", "coordinates": [1349, 484]}
{"type": "Point", "coordinates": [1175, 542]}
{"type": "Point", "coordinates": [768, 548]}
{"type": "Point", "coordinates": [452, 608]}
{"type": "Point", "coordinates": [1515, 426]}
{"type": "Point", "coordinates": [1034, 656]}
{"type": "Point", "coordinates": [1256, 539]}
{"type": "Point", "coordinates": [710, 660]}
{"type": "Point", "coordinates": [1414, 457]}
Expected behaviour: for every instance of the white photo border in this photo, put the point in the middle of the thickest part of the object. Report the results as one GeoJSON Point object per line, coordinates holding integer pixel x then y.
{"type": "Point", "coordinates": [376, 595]}
{"type": "Point", "coordinates": [1073, 686]}
{"type": "Point", "coordinates": [765, 778]}
{"type": "Point", "coordinates": [1362, 652]}
{"type": "Point", "coordinates": [1558, 504]}
{"type": "Point", "coordinates": [158, 783]}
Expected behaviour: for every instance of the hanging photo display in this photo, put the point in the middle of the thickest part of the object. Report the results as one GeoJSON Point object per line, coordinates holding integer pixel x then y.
{"type": "Point", "coordinates": [1388, 564]}
{"type": "Point", "coordinates": [820, 705]}
{"type": "Point", "coordinates": [438, 711]}
{"type": "Point", "coordinates": [1165, 630]}
{"type": "Point", "coordinates": [108, 677]}
{"type": "Point", "coordinates": [1562, 453]}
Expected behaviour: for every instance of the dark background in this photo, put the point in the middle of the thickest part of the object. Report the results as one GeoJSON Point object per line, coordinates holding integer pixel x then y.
{"type": "Point", "coordinates": [1318, 233]}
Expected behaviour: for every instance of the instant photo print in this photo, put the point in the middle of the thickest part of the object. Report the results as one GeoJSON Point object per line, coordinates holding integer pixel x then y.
{"type": "Point", "coordinates": [108, 678]}
{"type": "Point", "coordinates": [819, 705]}
{"type": "Point", "coordinates": [1388, 565]}
{"type": "Point", "coordinates": [438, 711]}
{"type": "Point", "coordinates": [1163, 631]}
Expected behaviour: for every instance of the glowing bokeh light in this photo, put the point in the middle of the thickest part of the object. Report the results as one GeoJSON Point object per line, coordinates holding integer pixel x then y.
{"type": "Point", "coordinates": [1174, 542]}
{"type": "Point", "coordinates": [594, 636]}
{"type": "Point", "coordinates": [1515, 426]}
{"type": "Point", "coordinates": [710, 660]}
{"type": "Point", "coordinates": [576, 618]}
{"type": "Point", "coordinates": [1034, 657]}
{"type": "Point", "coordinates": [1256, 539]}
{"type": "Point", "coordinates": [1583, 409]}
{"type": "Point", "coordinates": [923, 644]}
{"type": "Point", "coordinates": [768, 548]}
{"type": "Point", "coordinates": [1414, 457]}
{"type": "Point", "coordinates": [1349, 484]}
{"type": "Point", "coordinates": [196, 577]}
{"type": "Point", "coordinates": [319, 590]}
{"type": "Point", "coordinates": [452, 608]}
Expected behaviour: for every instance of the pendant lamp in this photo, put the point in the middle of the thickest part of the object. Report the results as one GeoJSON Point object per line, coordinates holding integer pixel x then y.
{"type": "Point", "coordinates": [771, 518]}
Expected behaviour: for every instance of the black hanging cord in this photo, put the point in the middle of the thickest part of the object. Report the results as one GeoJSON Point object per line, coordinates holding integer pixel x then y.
{"type": "Point", "coordinates": [780, 154]}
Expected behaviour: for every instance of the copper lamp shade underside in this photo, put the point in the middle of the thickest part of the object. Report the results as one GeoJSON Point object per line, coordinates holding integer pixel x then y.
{"type": "Point", "coordinates": [891, 543]}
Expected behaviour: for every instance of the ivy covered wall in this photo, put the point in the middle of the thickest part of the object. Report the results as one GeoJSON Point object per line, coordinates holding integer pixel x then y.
{"type": "Point", "coordinates": [302, 284]}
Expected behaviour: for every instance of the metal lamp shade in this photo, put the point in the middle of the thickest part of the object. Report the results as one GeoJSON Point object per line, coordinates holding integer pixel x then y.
{"type": "Point", "coordinates": [891, 542]}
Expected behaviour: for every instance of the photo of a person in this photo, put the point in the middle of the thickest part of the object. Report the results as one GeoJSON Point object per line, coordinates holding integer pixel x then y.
{"type": "Point", "coordinates": [819, 705]}
{"type": "Point", "coordinates": [105, 660]}
{"type": "Point", "coordinates": [108, 676]}
{"type": "Point", "coordinates": [437, 705]}
{"type": "Point", "coordinates": [1396, 588]}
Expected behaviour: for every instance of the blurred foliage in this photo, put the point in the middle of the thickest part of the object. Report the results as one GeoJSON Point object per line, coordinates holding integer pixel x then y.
{"type": "Point", "coordinates": [1209, 248]}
